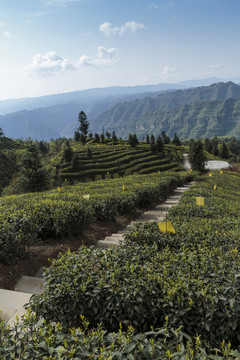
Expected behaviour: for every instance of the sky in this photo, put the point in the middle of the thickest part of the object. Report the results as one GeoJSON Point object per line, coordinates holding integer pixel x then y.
{"type": "Point", "coordinates": [56, 46]}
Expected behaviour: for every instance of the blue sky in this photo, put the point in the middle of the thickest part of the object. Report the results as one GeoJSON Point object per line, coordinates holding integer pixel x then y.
{"type": "Point", "coordinates": [54, 46]}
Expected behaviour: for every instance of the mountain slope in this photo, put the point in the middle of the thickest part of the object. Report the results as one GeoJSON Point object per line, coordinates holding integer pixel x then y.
{"type": "Point", "coordinates": [204, 119]}
{"type": "Point", "coordinates": [125, 113]}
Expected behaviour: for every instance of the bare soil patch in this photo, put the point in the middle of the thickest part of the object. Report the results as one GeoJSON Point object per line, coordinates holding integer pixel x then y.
{"type": "Point", "coordinates": [40, 254]}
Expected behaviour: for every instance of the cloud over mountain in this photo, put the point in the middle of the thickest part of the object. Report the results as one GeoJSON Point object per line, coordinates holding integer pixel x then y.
{"type": "Point", "coordinates": [131, 26]}
{"type": "Point", "coordinates": [104, 57]}
{"type": "Point", "coordinates": [48, 64]}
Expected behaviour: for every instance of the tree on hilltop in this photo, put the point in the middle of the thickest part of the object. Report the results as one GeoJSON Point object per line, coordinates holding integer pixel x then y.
{"type": "Point", "coordinates": [83, 127]}
{"type": "Point", "coordinates": [1, 132]}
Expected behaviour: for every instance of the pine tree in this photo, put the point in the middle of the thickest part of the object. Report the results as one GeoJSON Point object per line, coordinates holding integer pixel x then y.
{"type": "Point", "coordinates": [114, 137]}
{"type": "Point", "coordinates": [224, 151]}
{"type": "Point", "coordinates": [176, 141]}
{"type": "Point", "coordinates": [160, 145]}
{"type": "Point", "coordinates": [197, 157]}
{"type": "Point", "coordinates": [208, 145]}
{"type": "Point", "coordinates": [152, 139]}
{"type": "Point", "coordinates": [32, 175]}
{"type": "Point", "coordinates": [83, 128]}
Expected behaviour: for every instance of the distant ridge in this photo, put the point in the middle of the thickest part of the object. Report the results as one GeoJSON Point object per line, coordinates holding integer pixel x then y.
{"type": "Point", "coordinates": [145, 115]}
{"type": "Point", "coordinates": [115, 108]}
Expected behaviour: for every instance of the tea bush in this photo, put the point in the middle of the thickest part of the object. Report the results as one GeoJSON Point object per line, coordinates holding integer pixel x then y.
{"type": "Point", "coordinates": [139, 286]}
{"type": "Point", "coordinates": [27, 218]}
{"type": "Point", "coordinates": [191, 278]}
{"type": "Point", "coordinates": [38, 340]}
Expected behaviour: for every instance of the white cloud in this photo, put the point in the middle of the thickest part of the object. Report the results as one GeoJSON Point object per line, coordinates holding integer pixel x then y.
{"type": "Point", "coordinates": [104, 57]}
{"type": "Point", "coordinates": [7, 34]}
{"type": "Point", "coordinates": [168, 70]}
{"type": "Point", "coordinates": [131, 26]}
{"type": "Point", "coordinates": [48, 64]}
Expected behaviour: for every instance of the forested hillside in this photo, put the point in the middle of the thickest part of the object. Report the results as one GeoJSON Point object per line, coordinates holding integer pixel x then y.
{"type": "Point", "coordinates": [167, 111]}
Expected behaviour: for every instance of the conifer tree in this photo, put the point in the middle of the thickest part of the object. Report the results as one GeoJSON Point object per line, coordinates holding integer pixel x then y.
{"type": "Point", "coordinates": [176, 140]}
{"type": "Point", "coordinates": [83, 127]}
{"type": "Point", "coordinates": [197, 157]}
{"type": "Point", "coordinates": [33, 177]}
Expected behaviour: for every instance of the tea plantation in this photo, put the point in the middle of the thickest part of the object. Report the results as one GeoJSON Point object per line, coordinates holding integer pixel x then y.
{"type": "Point", "coordinates": [68, 210]}
{"type": "Point", "coordinates": [104, 161]}
{"type": "Point", "coordinates": [157, 296]}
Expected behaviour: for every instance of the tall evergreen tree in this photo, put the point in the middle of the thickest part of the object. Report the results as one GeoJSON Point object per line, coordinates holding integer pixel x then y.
{"type": "Point", "coordinates": [114, 137]}
{"type": "Point", "coordinates": [215, 150]}
{"type": "Point", "coordinates": [160, 145]}
{"type": "Point", "coordinates": [33, 177]}
{"type": "Point", "coordinates": [224, 151]}
{"type": "Point", "coordinates": [208, 145]}
{"type": "Point", "coordinates": [197, 157]}
{"type": "Point", "coordinates": [152, 139]}
{"type": "Point", "coordinates": [176, 140]}
{"type": "Point", "coordinates": [83, 127]}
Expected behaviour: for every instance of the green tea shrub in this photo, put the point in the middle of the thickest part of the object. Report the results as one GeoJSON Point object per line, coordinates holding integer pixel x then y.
{"type": "Point", "coordinates": [139, 286]}
{"type": "Point", "coordinates": [38, 340]}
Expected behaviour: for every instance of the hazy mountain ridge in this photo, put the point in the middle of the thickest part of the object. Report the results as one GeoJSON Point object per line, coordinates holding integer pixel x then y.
{"type": "Point", "coordinates": [204, 119]}
{"type": "Point", "coordinates": [116, 108]}
{"type": "Point", "coordinates": [130, 112]}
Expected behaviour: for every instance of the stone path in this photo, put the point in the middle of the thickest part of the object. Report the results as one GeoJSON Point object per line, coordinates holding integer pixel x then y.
{"type": "Point", "coordinates": [12, 302]}
{"type": "Point", "coordinates": [156, 214]}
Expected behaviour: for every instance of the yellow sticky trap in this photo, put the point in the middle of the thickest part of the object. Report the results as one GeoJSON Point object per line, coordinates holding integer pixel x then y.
{"type": "Point", "coordinates": [108, 172]}
{"type": "Point", "coordinates": [221, 172]}
{"type": "Point", "coordinates": [159, 171]}
{"type": "Point", "coordinates": [210, 175]}
{"type": "Point", "coordinates": [59, 189]}
{"type": "Point", "coordinates": [86, 196]}
{"type": "Point", "coordinates": [215, 186]}
{"type": "Point", "coordinates": [200, 201]}
{"type": "Point", "coordinates": [166, 227]}
{"type": "Point", "coordinates": [124, 188]}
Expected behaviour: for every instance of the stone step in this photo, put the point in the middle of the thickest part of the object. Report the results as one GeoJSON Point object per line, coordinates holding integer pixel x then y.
{"type": "Point", "coordinates": [11, 302]}
{"type": "Point", "coordinates": [113, 239]}
{"type": "Point", "coordinates": [117, 235]}
{"type": "Point", "coordinates": [107, 244]}
{"type": "Point", "coordinates": [30, 285]}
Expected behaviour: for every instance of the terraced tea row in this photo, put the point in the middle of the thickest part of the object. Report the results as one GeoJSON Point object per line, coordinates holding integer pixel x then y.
{"type": "Point", "coordinates": [25, 219]}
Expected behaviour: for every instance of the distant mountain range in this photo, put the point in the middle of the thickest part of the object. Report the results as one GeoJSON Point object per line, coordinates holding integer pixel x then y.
{"type": "Point", "coordinates": [166, 110]}
{"type": "Point", "coordinates": [190, 111]}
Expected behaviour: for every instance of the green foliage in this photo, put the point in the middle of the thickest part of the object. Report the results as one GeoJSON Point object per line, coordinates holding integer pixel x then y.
{"type": "Point", "coordinates": [36, 339]}
{"type": "Point", "coordinates": [197, 157]}
{"type": "Point", "coordinates": [132, 140]}
{"type": "Point", "coordinates": [176, 141]}
{"type": "Point", "coordinates": [26, 218]}
{"type": "Point", "coordinates": [83, 127]}
{"type": "Point", "coordinates": [224, 151]}
{"type": "Point", "coordinates": [33, 176]}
